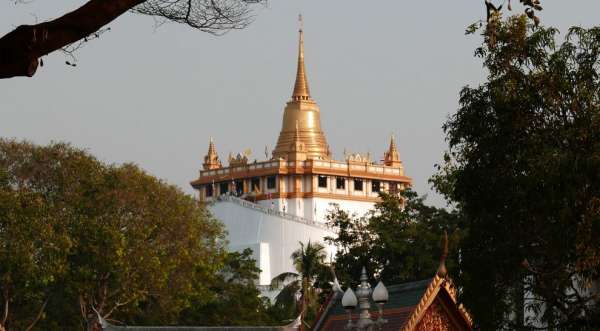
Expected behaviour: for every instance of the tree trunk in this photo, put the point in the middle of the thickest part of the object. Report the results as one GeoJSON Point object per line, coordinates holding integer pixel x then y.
{"type": "Point", "coordinates": [93, 324]}
{"type": "Point", "coordinates": [21, 48]}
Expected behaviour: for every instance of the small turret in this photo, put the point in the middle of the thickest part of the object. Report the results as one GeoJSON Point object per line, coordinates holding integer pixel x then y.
{"type": "Point", "coordinates": [392, 157]}
{"type": "Point", "coordinates": [211, 159]}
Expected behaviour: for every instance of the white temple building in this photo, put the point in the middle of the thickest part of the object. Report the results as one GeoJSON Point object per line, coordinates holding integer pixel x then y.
{"type": "Point", "coordinates": [272, 205]}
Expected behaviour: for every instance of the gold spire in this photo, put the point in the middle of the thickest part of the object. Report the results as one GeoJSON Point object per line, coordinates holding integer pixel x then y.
{"type": "Point", "coordinates": [301, 118]}
{"type": "Point", "coordinates": [211, 159]}
{"type": "Point", "coordinates": [301, 90]}
{"type": "Point", "coordinates": [392, 157]}
{"type": "Point", "coordinates": [393, 148]}
{"type": "Point", "coordinates": [211, 147]}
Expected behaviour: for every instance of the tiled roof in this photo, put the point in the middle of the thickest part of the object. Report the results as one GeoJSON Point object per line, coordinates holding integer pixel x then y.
{"type": "Point", "coordinates": [402, 300]}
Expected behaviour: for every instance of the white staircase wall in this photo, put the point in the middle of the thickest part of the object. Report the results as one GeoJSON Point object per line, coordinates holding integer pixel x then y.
{"type": "Point", "coordinates": [272, 235]}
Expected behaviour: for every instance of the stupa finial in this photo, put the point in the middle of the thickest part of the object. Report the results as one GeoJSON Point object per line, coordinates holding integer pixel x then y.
{"type": "Point", "coordinates": [301, 90]}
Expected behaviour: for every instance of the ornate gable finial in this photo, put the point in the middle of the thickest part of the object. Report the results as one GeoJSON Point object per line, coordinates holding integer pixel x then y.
{"type": "Point", "coordinates": [442, 271]}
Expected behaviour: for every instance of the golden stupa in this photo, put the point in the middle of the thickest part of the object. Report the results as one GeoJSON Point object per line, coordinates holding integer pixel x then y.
{"type": "Point", "coordinates": [302, 119]}
{"type": "Point", "coordinates": [301, 177]}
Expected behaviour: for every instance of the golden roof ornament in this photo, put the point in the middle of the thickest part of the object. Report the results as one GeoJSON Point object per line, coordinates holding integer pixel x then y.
{"type": "Point", "coordinates": [442, 271]}
{"type": "Point", "coordinates": [392, 157]}
{"type": "Point", "coordinates": [211, 159]}
{"type": "Point", "coordinates": [301, 117]}
{"type": "Point", "coordinates": [238, 160]}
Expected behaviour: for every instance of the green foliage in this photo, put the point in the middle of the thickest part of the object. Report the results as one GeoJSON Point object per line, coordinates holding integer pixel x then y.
{"type": "Point", "coordinates": [399, 240]}
{"type": "Point", "coordinates": [233, 298]}
{"type": "Point", "coordinates": [78, 235]}
{"type": "Point", "coordinates": [523, 169]}
{"type": "Point", "coordinates": [32, 253]}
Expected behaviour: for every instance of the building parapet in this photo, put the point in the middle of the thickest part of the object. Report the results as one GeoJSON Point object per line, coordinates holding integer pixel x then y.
{"type": "Point", "coordinates": [282, 166]}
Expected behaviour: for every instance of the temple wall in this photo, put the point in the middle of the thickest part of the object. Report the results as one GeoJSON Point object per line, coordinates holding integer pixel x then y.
{"type": "Point", "coordinates": [272, 237]}
{"type": "Point", "coordinates": [320, 207]}
{"type": "Point", "coordinates": [316, 209]}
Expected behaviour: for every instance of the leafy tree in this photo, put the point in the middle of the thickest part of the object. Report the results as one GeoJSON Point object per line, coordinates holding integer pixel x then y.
{"type": "Point", "coordinates": [233, 298]}
{"type": "Point", "coordinates": [398, 240]}
{"type": "Point", "coordinates": [32, 255]}
{"type": "Point", "coordinates": [79, 235]}
{"type": "Point", "coordinates": [22, 48]}
{"type": "Point", "coordinates": [523, 169]}
{"type": "Point", "coordinates": [300, 290]}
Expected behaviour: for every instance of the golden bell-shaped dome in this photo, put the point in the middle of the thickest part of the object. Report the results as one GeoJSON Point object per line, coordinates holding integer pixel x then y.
{"type": "Point", "coordinates": [302, 118]}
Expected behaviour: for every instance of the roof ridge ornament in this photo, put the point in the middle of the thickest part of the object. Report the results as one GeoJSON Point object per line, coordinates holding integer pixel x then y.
{"type": "Point", "coordinates": [442, 271]}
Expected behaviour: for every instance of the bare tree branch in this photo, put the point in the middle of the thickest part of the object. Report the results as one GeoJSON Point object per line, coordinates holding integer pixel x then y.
{"type": "Point", "coordinates": [21, 48]}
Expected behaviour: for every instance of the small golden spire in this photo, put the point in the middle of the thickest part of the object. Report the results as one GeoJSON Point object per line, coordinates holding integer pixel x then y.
{"type": "Point", "coordinates": [442, 271]}
{"type": "Point", "coordinates": [393, 147]}
{"type": "Point", "coordinates": [211, 147]}
{"type": "Point", "coordinates": [301, 91]}
{"type": "Point", "coordinates": [211, 160]}
{"type": "Point", "coordinates": [392, 157]}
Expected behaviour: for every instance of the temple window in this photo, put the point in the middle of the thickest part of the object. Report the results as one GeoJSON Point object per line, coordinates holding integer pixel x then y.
{"type": "Point", "coordinates": [223, 187]}
{"type": "Point", "coordinates": [255, 184]}
{"type": "Point", "coordinates": [271, 182]}
{"type": "Point", "coordinates": [208, 191]}
{"type": "Point", "coordinates": [358, 184]}
{"type": "Point", "coordinates": [340, 183]}
{"type": "Point", "coordinates": [322, 181]}
{"type": "Point", "coordinates": [376, 186]}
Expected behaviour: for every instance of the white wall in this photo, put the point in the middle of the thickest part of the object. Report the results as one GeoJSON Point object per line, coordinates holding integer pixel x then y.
{"type": "Point", "coordinates": [323, 206]}
{"type": "Point", "coordinates": [271, 237]}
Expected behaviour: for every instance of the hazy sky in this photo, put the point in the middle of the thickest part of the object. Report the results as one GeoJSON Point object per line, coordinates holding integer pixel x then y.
{"type": "Point", "coordinates": [155, 96]}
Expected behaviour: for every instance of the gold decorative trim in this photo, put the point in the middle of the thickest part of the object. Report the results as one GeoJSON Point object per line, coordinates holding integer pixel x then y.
{"type": "Point", "coordinates": [426, 300]}
{"type": "Point", "coordinates": [465, 314]}
{"type": "Point", "coordinates": [437, 283]}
